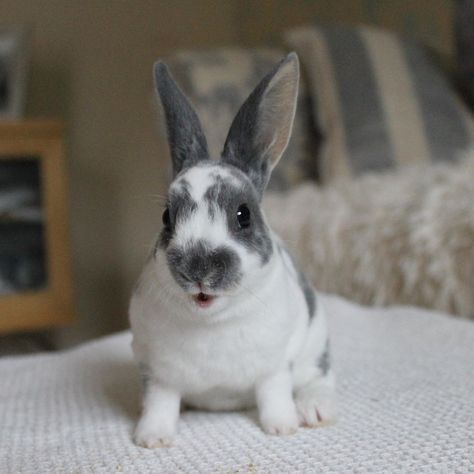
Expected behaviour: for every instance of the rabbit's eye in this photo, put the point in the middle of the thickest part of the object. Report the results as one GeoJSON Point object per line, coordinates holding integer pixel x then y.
{"type": "Point", "coordinates": [166, 218]}
{"type": "Point", "coordinates": [243, 216]}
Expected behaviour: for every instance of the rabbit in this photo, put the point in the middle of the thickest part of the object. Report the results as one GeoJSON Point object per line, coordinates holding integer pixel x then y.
{"type": "Point", "coordinates": [222, 319]}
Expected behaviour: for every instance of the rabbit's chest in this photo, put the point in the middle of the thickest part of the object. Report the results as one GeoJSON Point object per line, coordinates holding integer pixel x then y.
{"type": "Point", "coordinates": [224, 359]}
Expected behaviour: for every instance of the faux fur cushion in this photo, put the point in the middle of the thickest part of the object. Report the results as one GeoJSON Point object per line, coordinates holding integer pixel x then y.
{"type": "Point", "coordinates": [404, 237]}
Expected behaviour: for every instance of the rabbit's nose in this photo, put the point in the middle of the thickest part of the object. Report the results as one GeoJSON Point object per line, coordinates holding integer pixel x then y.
{"type": "Point", "coordinates": [204, 265]}
{"type": "Point", "coordinates": [191, 264]}
{"type": "Point", "coordinates": [197, 268]}
{"type": "Point", "coordinates": [184, 276]}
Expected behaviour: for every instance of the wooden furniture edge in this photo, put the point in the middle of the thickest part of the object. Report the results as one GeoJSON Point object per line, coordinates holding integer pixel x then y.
{"type": "Point", "coordinates": [31, 128]}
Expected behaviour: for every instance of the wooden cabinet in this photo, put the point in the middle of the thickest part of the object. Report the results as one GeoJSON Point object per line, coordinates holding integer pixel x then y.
{"type": "Point", "coordinates": [35, 262]}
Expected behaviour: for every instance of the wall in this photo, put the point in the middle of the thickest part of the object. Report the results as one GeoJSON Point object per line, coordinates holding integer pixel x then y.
{"type": "Point", "coordinates": [91, 65]}
{"type": "Point", "coordinates": [429, 20]}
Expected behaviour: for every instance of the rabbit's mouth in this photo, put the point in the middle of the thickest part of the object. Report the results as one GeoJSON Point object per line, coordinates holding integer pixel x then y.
{"type": "Point", "coordinates": [204, 300]}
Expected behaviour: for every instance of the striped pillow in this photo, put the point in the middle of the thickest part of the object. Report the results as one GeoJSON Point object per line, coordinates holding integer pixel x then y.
{"type": "Point", "coordinates": [379, 100]}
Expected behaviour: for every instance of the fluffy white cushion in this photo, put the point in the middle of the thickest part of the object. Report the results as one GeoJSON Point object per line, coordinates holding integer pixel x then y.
{"type": "Point", "coordinates": [404, 237]}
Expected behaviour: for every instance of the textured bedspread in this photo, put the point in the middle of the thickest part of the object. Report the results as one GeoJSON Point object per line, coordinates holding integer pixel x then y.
{"type": "Point", "coordinates": [406, 399]}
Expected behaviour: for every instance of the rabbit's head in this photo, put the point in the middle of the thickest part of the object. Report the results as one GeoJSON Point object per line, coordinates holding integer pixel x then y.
{"type": "Point", "coordinates": [214, 234]}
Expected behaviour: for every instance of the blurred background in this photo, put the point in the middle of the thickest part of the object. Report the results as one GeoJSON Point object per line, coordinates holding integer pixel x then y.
{"type": "Point", "coordinates": [89, 65]}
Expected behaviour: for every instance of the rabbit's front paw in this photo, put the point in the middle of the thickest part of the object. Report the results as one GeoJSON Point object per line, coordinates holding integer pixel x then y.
{"type": "Point", "coordinates": [280, 423]}
{"type": "Point", "coordinates": [151, 435]}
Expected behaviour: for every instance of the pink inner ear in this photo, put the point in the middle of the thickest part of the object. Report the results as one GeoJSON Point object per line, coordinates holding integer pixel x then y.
{"type": "Point", "coordinates": [277, 111]}
{"type": "Point", "coordinates": [260, 131]}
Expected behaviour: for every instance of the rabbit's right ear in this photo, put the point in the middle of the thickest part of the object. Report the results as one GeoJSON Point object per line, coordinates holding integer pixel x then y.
{"type": "Point", "coordinates": [262, 127]}
{"type": "Point", "coordinates": [186, 139]}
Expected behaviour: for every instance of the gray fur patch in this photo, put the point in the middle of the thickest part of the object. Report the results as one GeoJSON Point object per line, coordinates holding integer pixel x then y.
{"type": "Point", "coordinates": [324, 360]}
{"type": "Point", "coordinates": [242, 147]}
{"type": "Point", "coordinates": [180, 202]}
{"type": "Point", "coordinates": [308, 292]}
{"type": "Point", "coordinates": [225, 196]}
{"type": "Point", "coordinates": [163, 240]}
{"type": "Point", "coordinates": [144, 371]}
{"type": "Point", "coordinates": [219, 268]}
{"type": "Point", "coordinates": [180, 206]}
{"type": "Point", "coordinates": [186, 139]}
{"type": "Point", "coordinates": [216, 199]}
{"type": "Point", "coordinates": [258, 134]}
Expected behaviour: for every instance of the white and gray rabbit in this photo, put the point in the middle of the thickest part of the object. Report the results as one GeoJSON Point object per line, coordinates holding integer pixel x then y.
{"type": "Point", "coordinates": [221, 317]}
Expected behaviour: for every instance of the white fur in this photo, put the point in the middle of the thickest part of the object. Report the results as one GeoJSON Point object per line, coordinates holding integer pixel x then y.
{"type": "Point", "coordinates": [252, 346]}
{"type": "Point", "coordinates": [198, 226]}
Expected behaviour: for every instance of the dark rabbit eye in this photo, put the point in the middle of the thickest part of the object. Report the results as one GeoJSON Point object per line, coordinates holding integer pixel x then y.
{"type": "Point", "coordinates": [243, 216]}
{"type": "Point", "coordinates": [166, 218]}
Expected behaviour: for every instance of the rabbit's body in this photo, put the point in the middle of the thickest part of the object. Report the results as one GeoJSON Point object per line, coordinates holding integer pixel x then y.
{"type": "Point", "coordinates": [215, 359]}
{"type": "Point", "coordinates": [215, 365]}
{"type": "Point", "coordinates": [221, 317]}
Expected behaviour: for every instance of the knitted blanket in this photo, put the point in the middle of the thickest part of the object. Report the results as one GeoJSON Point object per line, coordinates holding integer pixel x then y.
{"type": "Point", "coordinates": [406, 402]}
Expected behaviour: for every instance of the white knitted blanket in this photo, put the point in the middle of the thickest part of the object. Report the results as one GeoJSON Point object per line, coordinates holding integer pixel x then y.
{"type": "Point", "coordinates": [406, 399]}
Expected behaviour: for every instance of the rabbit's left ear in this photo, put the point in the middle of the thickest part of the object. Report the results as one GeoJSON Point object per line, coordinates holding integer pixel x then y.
{"type": "Point", "coordinates": [186, 139]}
{"type": "Point", "coordinates": [261, 129]}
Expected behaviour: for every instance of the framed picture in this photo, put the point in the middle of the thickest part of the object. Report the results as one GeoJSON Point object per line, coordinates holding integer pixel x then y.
{"type": "Point", "coordinates": [35, 269]}
{"type": "Point", "coordinates": [13, 71]}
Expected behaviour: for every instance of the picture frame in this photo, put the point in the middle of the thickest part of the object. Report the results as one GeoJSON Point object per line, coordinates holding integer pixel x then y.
{"type": "Point", "coordinates": [33, 205]}
{"type": "Point", "coordinates": [13, 71]}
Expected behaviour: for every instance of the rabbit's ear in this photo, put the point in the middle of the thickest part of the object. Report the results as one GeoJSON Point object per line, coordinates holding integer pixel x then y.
{"type": "Point", "coordinates": [261, 129]}
{"type": "Point", "coordinates": [186, 139]}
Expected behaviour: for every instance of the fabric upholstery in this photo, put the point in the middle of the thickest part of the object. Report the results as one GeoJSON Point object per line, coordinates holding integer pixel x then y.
{"type": "Point", "coordinates": [379, 99]}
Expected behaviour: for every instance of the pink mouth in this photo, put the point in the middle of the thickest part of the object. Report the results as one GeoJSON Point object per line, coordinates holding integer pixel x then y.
{"type": "Point", "coordinates": [203, 300]}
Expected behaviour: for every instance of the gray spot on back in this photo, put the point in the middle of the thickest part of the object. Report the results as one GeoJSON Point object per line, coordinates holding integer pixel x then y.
{"type": "Point", "coordinates": [308, 292]}
{"type": "Point", "coordinates": [324, 360]}
{"type": "Point", "coordinates": [306, 287]}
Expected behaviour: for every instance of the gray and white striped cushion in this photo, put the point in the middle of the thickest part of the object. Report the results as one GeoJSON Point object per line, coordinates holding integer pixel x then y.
{"type": "Point", "coordinates": [379, 100]}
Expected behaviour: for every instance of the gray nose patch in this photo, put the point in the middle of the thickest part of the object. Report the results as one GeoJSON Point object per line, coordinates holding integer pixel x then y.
{"type": "Point", "coordinates": [218, 268]}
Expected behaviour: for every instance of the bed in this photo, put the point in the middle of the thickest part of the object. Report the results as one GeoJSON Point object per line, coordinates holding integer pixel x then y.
{"type": "Point", "coordinates": [405, 391]}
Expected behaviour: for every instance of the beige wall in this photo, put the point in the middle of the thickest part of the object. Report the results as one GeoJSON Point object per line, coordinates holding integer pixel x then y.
{"type": "Point", "coordinates": [429, 20]}
{"type": "Point", "coordinates": [91, 64]}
